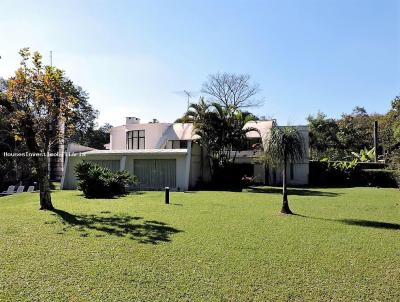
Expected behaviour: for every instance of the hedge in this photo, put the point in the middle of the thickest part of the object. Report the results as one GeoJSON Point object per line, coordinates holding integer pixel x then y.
{"type": "Point", "coordinates": [361, 174]}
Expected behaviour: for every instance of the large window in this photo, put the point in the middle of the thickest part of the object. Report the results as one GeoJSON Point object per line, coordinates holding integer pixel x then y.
{"type": "Point", "coordinates": [135, 139]}
{"type": "Point", "coordinates": [155, 173]}
{"type": "Point", "coordinates": [176, 144]}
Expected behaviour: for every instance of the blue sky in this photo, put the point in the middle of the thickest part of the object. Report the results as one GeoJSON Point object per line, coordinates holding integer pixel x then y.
{"type": "Point", "coordinates": [132, 56]}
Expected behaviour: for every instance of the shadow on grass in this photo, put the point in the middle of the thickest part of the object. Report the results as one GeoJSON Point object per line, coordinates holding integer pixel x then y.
{"type": "Point", "coordinates": [113, 197]}
{"type": "Point", "coordinates": [360, 222]}
{"type": "Point", "coordinates": [371, 224]}
{"type": "Point", "coordinates": [147, 231]}
{"type": "Point", "coordinates": [292, 191]}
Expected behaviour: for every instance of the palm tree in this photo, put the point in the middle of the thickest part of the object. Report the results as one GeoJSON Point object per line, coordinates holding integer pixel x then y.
{"type": "Point", "coordinates": [285, 144]}
{"type": "Point", "coordinates": [221, 131]}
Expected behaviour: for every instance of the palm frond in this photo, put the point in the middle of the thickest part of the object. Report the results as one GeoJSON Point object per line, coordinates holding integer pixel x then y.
{"type": "Point", "coordinates": [283, 144]}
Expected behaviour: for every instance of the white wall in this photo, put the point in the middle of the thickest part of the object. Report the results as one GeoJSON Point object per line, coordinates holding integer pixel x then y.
{"type": "Point", "coordinates": [182, 180]}
{"type": "Point", "coordinates": [300, 168]}
{"type": "Point", "coordinates": [153, 135]}
{"type": "Point", "coordinates": [199, 167]}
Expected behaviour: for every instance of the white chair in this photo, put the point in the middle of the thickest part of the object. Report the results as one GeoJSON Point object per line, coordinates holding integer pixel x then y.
{"type": "Point", "coordinates": [9, 191]}
{"type": "Point", "coordinates": [20, 189]}
{"type": "Point", "coordinates": [31, 189]}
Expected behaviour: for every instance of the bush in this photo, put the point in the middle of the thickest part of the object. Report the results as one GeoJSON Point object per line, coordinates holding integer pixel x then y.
{"type": "Point", "coordinates": [379, 178]}
{"type": "Point", "coordinates": [394, 164]}
{"type": "Point", "coordinates": [230, 176]}
{"type": "Point", "coordinates": [343, 173]}
{"type": "Point", "coordinates": [99, 182]}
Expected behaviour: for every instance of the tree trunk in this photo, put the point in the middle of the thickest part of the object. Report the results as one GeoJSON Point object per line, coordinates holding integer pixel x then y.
{"type": "Point", "coordinates": [44, 184]}
{"type": "Point", "coordinates": [285, 203]}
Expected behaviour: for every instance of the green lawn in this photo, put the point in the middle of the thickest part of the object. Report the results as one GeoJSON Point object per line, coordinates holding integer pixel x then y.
{"type": "Point", "coordinates": [344, 245]}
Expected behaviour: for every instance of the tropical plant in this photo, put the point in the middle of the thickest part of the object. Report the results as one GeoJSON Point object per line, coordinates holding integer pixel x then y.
{"type": "Point", "coordinates": [283, 145]}
{"type": "Point", "coordinates": [99, 182]}
{"type": "Point", "coordinates": [221, 130]}
{"type": "Point", "coordinates": [365, 155]}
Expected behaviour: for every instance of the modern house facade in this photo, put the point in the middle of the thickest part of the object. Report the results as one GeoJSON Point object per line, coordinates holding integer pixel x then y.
{"type": "Point", "coordinates": [167, 154]}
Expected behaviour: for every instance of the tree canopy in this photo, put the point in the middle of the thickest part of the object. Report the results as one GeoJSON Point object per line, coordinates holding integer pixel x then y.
{"type": "Point", "coordinates": [221, 129]}
{"type": "Point", "coordinates": [43, 107]}
{"type": "Point", "coordinates": [339, 139]}
{"type": "Point", "coordinates": [231, 90]}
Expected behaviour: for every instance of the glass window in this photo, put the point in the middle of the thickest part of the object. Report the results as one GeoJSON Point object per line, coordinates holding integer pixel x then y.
{"type": "Point", "coordinates": [135, 139]}
{"type": "Point", "coordinates": [135, 143]}
{"type": "Point", "coordinates": [141, 143]}
{"type": "Point", "coordinates": [176, 145]}
{"type": "Point", "coordinates": [183, 145]}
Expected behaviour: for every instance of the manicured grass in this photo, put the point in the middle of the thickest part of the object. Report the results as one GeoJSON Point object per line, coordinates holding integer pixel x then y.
{"type": "Point", "coordinates": [205, 246]}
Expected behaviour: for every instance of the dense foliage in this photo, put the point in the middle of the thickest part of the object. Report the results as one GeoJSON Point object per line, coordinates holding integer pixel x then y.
{"type": "Point", "coordinates": [77, 126]}
{"type": "Point", "coordinates": [99, 182]}
{"type": "Point", "coordinates": [42, 107]}
{"type": "Point", "coordinates": [219, 121]}
{"type": "Point", "coordinates": [340, 139]}
{"type": "Point", "coordinates": [221, 131]}
{"type": "Point", "coordinates": [351, 173]}
{"type": "Point", "coordinates": [94, 138]}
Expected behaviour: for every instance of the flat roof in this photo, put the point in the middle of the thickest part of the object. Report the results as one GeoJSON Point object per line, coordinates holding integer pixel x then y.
{"type": "Point", "coordinates": [138, 152]}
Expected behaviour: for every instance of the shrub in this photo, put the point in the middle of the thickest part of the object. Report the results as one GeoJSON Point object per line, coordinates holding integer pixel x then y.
{"type": "Point", "coordinates": [342, 173]}
{"type": "Point", "coordinates": [99, 182]}
{"type": "Point", "coordinates": [379, 177]}
{"type": "Point", "coordinates": [229, 177]}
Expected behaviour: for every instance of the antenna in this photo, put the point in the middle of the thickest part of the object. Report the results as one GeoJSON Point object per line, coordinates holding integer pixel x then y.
{"type": "Point", "coordinates": [189, 94]}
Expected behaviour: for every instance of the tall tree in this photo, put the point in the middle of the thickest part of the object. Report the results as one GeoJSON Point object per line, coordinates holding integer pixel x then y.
{"type": "Point", "coordinates": [221, 130]}
{"type": "Point", "coordinates": [323, 137]}
{"type": "Point", "coordinates": [284, 145]}
{"type": "Point", "coordinates": [84, 119]}
{"type": "Point", "coordinates": [390, 126]}
{"type": "Point", "coordinates": [231, 90]}
{"type": "Point", "coordinates": [355, 131]}
{"type": "Point", "coordinates": [41, 101]}
{"type": "Point", "coordinates": [96, 138]}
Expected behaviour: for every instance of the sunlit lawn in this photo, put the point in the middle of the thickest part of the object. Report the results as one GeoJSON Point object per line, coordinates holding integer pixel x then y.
{"type": "Point", "coordinates": [344, 245]}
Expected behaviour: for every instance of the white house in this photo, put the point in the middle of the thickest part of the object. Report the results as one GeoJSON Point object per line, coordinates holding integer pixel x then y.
{"type": "Point", "coordinates": [166, 154]}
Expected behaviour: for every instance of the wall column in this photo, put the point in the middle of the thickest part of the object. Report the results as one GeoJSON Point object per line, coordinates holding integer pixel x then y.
{"type": "Point", "coordinates": [188, 162]}
{"type": "Point", "coordinates": [122, 163]}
